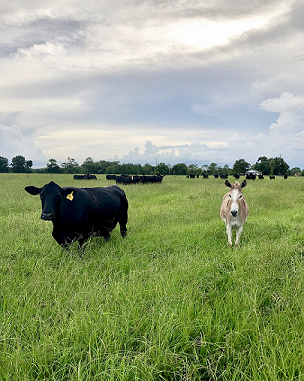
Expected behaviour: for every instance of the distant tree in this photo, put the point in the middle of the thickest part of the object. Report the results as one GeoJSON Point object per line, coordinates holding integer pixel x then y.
{"type": "Point", "coordinates": [263, 165]}
{"type": "Point", "coordinates": [89, 166]}
{"type": "Point", "coordinates": [272, 166]}
{"type": "Point", "coordinates": [148, 169]}
{"type": "Point", "coordinates": [280, 167]}
{"type": "Point", "coordinates": [28, 165]}
{"type": "Point", "coordinates": [162, 169]}
{"type": "Point", "coordinates": [240, 166]}
{"type": "Point", "coordinates": [71, 166]}
{"type": "Point", "coordinates": [113, 167]}
{"type": "Point", "coordinates": [295, 170]}
{"type": "Point", "coordinates": [3, 164]}
{"type": "Point", "coordinates": [193, 169]}
{"type": "Point", "coordinates": [130, 169]}
{"type": "Point", "coordinates": [18, 164]}
{"type": "Point", "coordinates": [52, 167]}
{"type": "Point", "coordinates": [179, 169]}
{"type": "Point", "coordinates": [226, 169]}
{"type": "Point", "coordinates": [214, 169]}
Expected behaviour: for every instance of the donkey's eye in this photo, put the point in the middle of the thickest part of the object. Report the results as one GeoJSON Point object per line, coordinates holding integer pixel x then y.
{"type": "Point", "coordinates": [230, 195]}
{"type": "Point", "coordinates": [240, 196]}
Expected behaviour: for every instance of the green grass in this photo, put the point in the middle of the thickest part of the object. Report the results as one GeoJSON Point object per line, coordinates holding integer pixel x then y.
{"type": "Point", "coordinates": [170, 302]}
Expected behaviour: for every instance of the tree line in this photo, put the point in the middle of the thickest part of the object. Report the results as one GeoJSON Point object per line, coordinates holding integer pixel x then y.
{"type": "Point", "coordinates": [267, 166]}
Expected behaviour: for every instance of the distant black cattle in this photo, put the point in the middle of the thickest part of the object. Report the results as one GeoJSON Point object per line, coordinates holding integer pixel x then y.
{"type": "Point", "coordinates": [80, 213]}
{"type": "Point", "coordinates": [111, 177]}
{"type": "Point", "coordinates": [124, 179]}
{"type": "Point", "coordinates": [191, 176]}
{"type": "Point", "coordinates": [261, 177]}
{"type": "Point", "coordinates": [216, 176]}
{"type": "Point", "coordinates": [250, 176]}
{"type": "Point", "coordinates": [144, 179]}
{"type": "Point", "coordinates": [224, 175]}
{"type": "Point", "coordinates": [148, 179]}
{"type": "Point", "coordinates": [91, 177]}
{"type": "Point", "coordinates": [236, 176]}
{"type": "Point", "coordinates": [285, 176]}
{"type": "Point", "coordinates": [272, 177]}
{"type": "Point", "coordinates": [79, 177]}
{"type": "Point", "coordinates": [85, 177]}
{"type": "Point", "coordinates": [205, 176]}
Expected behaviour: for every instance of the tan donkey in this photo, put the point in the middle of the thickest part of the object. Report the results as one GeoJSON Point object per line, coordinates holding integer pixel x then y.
{"type": "Point", "coordinates": [234, 210]}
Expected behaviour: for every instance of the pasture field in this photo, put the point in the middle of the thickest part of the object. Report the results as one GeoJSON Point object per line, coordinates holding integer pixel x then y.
{"type": "Point", "coordinates": [170, 302]}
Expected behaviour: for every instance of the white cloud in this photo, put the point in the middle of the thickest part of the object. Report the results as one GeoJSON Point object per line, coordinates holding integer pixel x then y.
{"type": "Point", "coordinates": [291, 110]}
{"type": "Point", "coordinates": [13, 143]}
{"type": "Point", "coordinates": [99, 78]}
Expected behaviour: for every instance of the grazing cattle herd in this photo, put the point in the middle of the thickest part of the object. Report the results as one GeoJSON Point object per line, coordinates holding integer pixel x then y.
{"type": "Point", "coordinates": [80, 213]}
{"type": "Point", "coordinates": [127, 179]}
{"type": "Point", "coordinates": [85, 177]}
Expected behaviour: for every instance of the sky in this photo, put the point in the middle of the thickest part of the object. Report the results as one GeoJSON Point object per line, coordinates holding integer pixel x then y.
{"type": "Point", "coordinates": [172, 81]}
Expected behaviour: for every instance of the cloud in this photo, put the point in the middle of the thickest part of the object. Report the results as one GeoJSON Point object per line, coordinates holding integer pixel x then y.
{"type": "Point", "coordinates": [291, 110]}
{"type": "Point", "coordinates": [204, 81]}
{"type": "Point", "coordinates": [13, 143]}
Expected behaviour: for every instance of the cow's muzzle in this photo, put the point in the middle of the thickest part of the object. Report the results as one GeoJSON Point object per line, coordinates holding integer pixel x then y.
{"type": "Point", "coordinates": [47, 216]}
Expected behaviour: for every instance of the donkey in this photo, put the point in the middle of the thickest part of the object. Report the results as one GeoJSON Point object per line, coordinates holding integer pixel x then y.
{"type": "Point", "coordinates": [234, 210]}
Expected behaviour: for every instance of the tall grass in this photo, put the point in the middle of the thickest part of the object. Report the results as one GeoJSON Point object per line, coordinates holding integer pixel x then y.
{"type": "Point", "coordinates": [170, 302]}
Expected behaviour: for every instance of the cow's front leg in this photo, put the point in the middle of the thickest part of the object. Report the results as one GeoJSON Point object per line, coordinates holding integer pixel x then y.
{"type": "Point", "coordinates": [229, 234]}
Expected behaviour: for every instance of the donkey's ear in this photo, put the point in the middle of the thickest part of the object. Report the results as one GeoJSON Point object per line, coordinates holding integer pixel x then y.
{"type": "Point", "coordinates": [244, 184]}
{"type": "Point", "coordinates": [228, 184]}
{"type": "Point", "coordinates": [33, 190]}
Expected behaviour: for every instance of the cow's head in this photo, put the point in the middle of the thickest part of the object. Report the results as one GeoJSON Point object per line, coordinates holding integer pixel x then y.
{"type": "Point", "coordinates": [236, 196]}
{"type": "Point", "coordinates": [51, 196]}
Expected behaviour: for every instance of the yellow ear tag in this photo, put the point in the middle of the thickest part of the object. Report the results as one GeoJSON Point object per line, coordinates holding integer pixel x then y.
{"type": "Point", "coordinates": [70, 196]}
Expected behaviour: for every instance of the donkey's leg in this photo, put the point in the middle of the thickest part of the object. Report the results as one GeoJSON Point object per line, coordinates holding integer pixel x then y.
{"type": "Point", "coordinates": [229, 234]}
{"type": "Point", "coordinates": [238, 235]}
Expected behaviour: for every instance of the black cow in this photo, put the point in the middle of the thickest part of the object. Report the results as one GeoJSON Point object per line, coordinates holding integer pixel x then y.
{"type": "Point", "coordinates": [148, 179]}
{"type": "Point", "coordinates": [285, 176]}
{"type": "Point", "coordinates": [236, 176]}
{"type": "Point", "coordinates": [124, 179]}
{"type": "Point", "coordinates": [111, 177]}
{"type": "Point", "coordinates": [205, 176]}
{"type": "Point", "coordinates": [79, 177]}
{"type": "Point", "coordinates": [224, 175]}
{"type": "Point", "coordinates": [90, 177]}
{"type": "Point", "coordinates": [80, 213]}
{"type": "Point", "coordinates": [250, 176]}
{"type": "Point", "coordinates": [271, 177]}
{"type": "Point", "coordinates": [261, 177]}
{"type": "Point", "coordinates": [85, 177]}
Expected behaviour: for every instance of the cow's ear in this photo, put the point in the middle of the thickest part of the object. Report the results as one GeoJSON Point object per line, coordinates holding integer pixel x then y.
{"type": "Point", "coordinates": [228, 184]}
{"type": "Point", "coordinates": [33, 190]}
{"type": "Point", "coordinates": [244, 184]}
{"type": "Point", "coordinates": [67, 191]}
